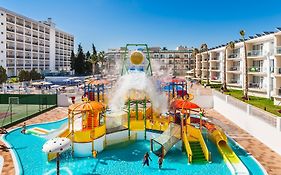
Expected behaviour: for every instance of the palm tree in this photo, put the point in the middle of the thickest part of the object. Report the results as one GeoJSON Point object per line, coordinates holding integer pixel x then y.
{"type": "Point", "coordinates": [94, 61]}
{"type": "Point", "coordinates": [230, 45]}
{"type": "Point", "coordinates": [204, 48]}
{"type": "Point", "coordinates": [195, 51]}
{"type": "Point", "coordinates": [101, 58]}
{"type": "Point", "coordinates": [246, 88]}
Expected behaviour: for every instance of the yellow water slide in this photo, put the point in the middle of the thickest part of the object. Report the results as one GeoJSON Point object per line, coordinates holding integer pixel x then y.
{"type": "Point", "coordinates": [196, 148]}
{"type": "Point", "coordinates": [232, 160]}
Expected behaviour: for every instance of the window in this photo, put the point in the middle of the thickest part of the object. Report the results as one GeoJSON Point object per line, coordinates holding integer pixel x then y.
{"type": "Point", "coordinates": [1, 23]}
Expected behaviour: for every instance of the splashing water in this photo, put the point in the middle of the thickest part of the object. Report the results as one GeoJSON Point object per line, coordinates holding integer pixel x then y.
{"type": "Point", "coordinates": [141, 83]}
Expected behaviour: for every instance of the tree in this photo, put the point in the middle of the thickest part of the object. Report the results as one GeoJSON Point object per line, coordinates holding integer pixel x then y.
{"type": "Point", "coordinates": [3, 75]}
{"type": "Point", "coordinates": [101, 58]}
{"type": "Point", "coordinates": [94, 59]}
{"type": "Point", "coordinates": [72, 60]}
{"type": "Point", "coordinates": [230, 45]}
{"type": "Point", "coordinates": [34, 75]}
{"type": "Point", "coordinates": [204, 48]}
{"type": "Point", "coordinates": [195, 51]}
{"type": "Point", "coordinates": [246, 83]}
{"type": "Point", "coordinates": [79, 63]}
{"type": "Point", "coordinates": [24, 76]}
{"type": "Point", "coordinates": [164, 48]}
{"type": "Point", "coordinates": [88, 65]}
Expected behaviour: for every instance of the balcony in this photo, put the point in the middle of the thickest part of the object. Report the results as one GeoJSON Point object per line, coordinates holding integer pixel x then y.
{"type": "Point", "coordinates": [27, 57]}
{"type": "Point", "coordinates": [19, 56]}
{"type": "Point", "coordinates": [28, 26]}
{"type": "Point", "coordinates": [215, 68]}
{"type": "Point", "coordinates": [20, 31]}
{"type": "Point", "coordinates": [255, 69]}
{"type": "Point", "coordinates": [255, 53]}
{"type": "Point", "coordinates": [215, 59]}
{"type": "Point", "coordinates": [278, 50]}
{"type": "Point", "coordinates": [27, 49]}
{"type": "Point", "coordinates": [28, 41]}
{"type": "Point", "coordinates": [10, 29]}
{"type": "Point", "coordinates": [234, 81]}
{"type": "Point", "coordinates": [11, 38]}
{"type": "Point", "coordinates": [10, 47]}
{"type": "Point", "coordinates": [10, 56]}
{"type": "Point", "coordinates": [19, 48]}
{"type": "Point", "coordinates": [10, 20]}
{"type": "Point", "coordinates": [11, 65]}
{"type": "Point", "coordinates": [234, 68]}
{"type": "Point", "coordinates": [20, 39]}
{"type": "Point", "coordinates": [233, 55]}
{"type": "Point", "coordinates": [256, 85]}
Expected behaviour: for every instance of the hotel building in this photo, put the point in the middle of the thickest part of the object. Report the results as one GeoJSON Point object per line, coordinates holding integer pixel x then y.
{"type": "Point", "coordinates": [264, 65]}
{"type": "Point", "coordinates": [27, 44]}
{"type": "Point", "coordinates": [177, 62]}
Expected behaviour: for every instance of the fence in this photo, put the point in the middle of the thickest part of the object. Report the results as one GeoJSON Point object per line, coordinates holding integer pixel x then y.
{"type": "Point", "coordinates": [18, 107]}
{"type": "Point", "coordinates": [261, 124]}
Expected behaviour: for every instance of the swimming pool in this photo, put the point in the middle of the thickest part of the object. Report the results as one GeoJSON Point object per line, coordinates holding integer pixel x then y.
{"type": "Point", "coordinates": [124, 158]}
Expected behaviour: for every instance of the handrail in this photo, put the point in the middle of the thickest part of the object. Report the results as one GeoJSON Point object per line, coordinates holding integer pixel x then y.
{"type": "Point", "coordinates": [197, 134]}
{"type": "Point", "coordinates": [187, 147]}
{"type": "Point", "coordinates": [204, 146]}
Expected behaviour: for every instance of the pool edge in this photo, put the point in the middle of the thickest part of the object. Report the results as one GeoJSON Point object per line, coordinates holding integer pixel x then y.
{"type": "Point", "coordinates": [13, 153]}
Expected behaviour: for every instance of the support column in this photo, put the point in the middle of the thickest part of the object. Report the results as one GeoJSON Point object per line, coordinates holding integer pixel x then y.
{"type": "Point", "coordinates": [144, 117]}
{"type": "Point", "coordinates": [137, 110]}
{"type": "Point", "coordinates": [129, 116]}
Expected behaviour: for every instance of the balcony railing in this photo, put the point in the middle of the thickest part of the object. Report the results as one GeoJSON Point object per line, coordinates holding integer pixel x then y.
{"type": "Point", "coordinates": [234, 81]}
{"type": "Point", "coordinates": [215, 68]}
{"type": "Point", "coordinates": [233, 55]}
{"type": "Point", "coordinates": [10, 20]}
{"type": "Point", "coordinates": [257, 85]}
{"type": "Point", "coordinates": [10, 38]}
{"type": "Point", "coordinates": [255, 53]}
{"type": "Point", "coordinates": [255, 69]}
{"type": "Point", "coordinates": [211, 59]}
{"type": "Point", "coordinates": [10, 56]}
{"type": "Point", "coordinates": [278, 50]}
{"type": "Point", "coordinates": [10, 29]}
{"type": "Point", "coordinates": [234, 68]}
{"type": "Point", "coordinates": [19, 48]}
{"type": "Point", "coordinates": [10, 47]}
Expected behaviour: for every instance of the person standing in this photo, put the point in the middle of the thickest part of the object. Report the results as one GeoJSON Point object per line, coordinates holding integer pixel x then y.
{"type": "Point", "coordinates": [146, 159]}
{"type": "Point", "coordinates": [23, 128]}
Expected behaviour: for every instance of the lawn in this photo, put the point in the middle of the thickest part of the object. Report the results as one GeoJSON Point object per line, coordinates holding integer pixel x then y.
{"type": "Point", "coordinates": [262, 103]}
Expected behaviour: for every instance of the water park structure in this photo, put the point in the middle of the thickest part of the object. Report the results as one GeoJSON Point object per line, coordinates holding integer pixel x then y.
{"type": "Point", "coordinates": [138, 108]}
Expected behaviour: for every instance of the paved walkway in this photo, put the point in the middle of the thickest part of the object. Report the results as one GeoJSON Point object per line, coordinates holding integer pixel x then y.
{"type": "Point", "coordinates": [53, 115]}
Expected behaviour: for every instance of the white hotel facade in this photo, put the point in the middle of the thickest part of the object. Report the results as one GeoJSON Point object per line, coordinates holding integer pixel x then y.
{"type": "Point", "coordinates": [178, 61]}
{"type": "Point", "coordinates": [27, 44]}
{"type": "Point", "coordinates": [264, 65]}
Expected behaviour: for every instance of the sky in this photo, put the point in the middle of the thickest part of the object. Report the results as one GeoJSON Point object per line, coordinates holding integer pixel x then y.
{"type": "Point", "coordinates": [164, 23]}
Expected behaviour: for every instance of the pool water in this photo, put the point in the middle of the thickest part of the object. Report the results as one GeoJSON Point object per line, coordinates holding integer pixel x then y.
{"type": "Point", "coordinates": [123, 158]}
